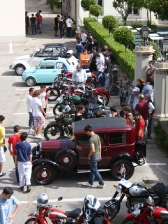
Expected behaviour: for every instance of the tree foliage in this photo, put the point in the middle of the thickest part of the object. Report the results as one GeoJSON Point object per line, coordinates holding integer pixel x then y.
{"type": "Point", "coordinates": [124, 6]}
{"type": "Point", "coordinates": [157, 49]}
{"type": "Point", "coordinates": [110, 22]}
{"type": "Point", "coordinates": [95, 10]}
{"type": "Point", "coordinates": [87, 3]}
{"type": "Point", "coordinates": [124, 36]}
{"type": "Point", "coordinates": [160, 8]}
{"type": "Point", "coordinates": [56, 3]}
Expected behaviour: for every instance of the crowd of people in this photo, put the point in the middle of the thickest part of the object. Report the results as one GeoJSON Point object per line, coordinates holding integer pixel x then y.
{"type": "Point", "coordinates": [35, 21]}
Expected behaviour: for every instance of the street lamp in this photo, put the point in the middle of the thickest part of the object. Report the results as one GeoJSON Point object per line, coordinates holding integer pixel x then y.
{"type": "Point", "coordinates": [144, 31]}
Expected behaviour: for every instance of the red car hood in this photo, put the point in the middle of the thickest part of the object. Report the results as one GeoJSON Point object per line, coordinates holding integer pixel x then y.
{"type": "Point", "coordinates": [58, 143]}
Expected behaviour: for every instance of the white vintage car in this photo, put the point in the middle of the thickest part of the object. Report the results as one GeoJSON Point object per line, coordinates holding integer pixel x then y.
{"type": "Point", "coordinates": [49, 50]}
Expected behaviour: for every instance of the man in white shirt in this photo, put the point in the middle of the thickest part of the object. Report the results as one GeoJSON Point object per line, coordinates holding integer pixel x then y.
{"type": "Point", "coordinates": [69, 24]}
{"type": "Point", "coordinates": [134, 98]}
{"type": "Point", "coordinates": [43, 97]}
{"type": "Point", "coordinates": [83, 37]}
{"type": "Point", "coordinates": [79, 77]}
{"type": "Point", "coordinates": [38, 113]}
{"type": "Point", "coordinates": [100, 68]}
{"type": "Point", "coordinates": [29, 110]}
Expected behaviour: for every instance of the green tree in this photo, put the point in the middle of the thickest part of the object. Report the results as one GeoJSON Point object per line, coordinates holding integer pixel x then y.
{"type": "Point", "coordinates": [110, 22]}
{"type": "Point", "coordinates": [157, 49]}
{"type": "Point", "coordinates": [159, 8]}
{"type": "Point", "coordinates": [87, 3]}
{"type": "Point", "coordinates": [56, 3]}
{"type": "Point", "coordinates": [124, 7]}
{"type": "Point", "coordinates": [95, 10]}
{"type": "Point", "coordinates": [124, 36]}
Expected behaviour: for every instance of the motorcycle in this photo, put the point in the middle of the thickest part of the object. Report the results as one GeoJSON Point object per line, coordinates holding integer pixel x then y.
{"type": "Point", "coordinates": [92, 212]}
{"type": "Point", "coordinates": [60, 127]}
{"type": "Point", "coordinates": [144, 213]}
{"type": "Point", "coordinates": [51, 212]}
{"type": "Point", "coordinates": [55, 90]}
{"type": "Point", "coordinates": [135, 194]}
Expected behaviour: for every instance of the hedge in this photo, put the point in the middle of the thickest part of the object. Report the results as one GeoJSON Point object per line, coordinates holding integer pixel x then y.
{"type": "Point", "coordinates": [126, 60]}
{"type": "Point", "coordinates": [161, 136]}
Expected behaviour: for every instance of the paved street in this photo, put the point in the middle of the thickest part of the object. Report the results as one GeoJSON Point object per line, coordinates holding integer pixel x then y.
{"type": "Point", "coordinates": [13, 106]}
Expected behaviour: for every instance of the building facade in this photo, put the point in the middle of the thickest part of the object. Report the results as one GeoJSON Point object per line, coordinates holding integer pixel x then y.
{"type": "Point", "coordinates": [73, 8]}
{"type": "Point", "coordinates": [12, 21]}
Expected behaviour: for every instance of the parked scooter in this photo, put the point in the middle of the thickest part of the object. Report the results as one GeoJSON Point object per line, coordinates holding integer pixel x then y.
{"type": "Point", "coordinates": [135, 194]}
{"type": "Point", "coordinates": [56, 216]}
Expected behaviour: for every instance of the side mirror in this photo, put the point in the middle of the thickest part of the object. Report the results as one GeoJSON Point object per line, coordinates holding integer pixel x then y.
{"type": "Point", "coordinates": [60, 198]}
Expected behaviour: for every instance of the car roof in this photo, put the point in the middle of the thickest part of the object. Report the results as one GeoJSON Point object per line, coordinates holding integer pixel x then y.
{"type": "Point", "coordinates": [101, 124]}
{"type": "Point", "coordinates": [53, 60]}
{"type": "Point", "coordinates": [54, 44]}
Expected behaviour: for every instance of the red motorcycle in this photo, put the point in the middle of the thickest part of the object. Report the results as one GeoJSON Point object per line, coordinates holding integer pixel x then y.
{"type": "Point", "coordinates": [142, 212]}
{"type": "Point", "coordinates": [54, 91]}
{"type": "Point", "coordinates": [44, 210]}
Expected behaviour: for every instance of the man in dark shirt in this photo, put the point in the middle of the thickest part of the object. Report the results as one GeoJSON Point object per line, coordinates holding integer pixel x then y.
{"type": "Point", "coordinates": [56, 19]}
{"type": "Point", "coordinates": [23, 160]}
{"type": "Point", "coordinates": [107, 71]}
{"type": "Point", "coordinates": [79, 48]}
{"type": "Point", "coordinates": [26, 22]}
{"type": "Point", "coordinates": [33, 25]}
{"type": "Point", "coordinates": [61, 27]}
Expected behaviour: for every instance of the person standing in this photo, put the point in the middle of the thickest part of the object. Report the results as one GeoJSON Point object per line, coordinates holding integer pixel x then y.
{"type": "Point", "coordinates": [83, 38]}
{"type": "Point", "coordinates": [79, 77]}
{"type": "Point", "coordinates": [151, 110]}
{"type": "Point", "coordinates": [94, 157]}
{"type": "Point", "coordinates": [69, 26]}
{"type": "Point", "coordinates": [139, 126]}
{"type": "Point", "coordinates": [122, 86]}
{"type": "Point", "coordinates": [84, 59]}
{"type": "Point", "coordinates": [23, 160]}
{"type": "Point", "coordinates": [134, 98]}
{"type": "Point", "coordinates": [93, 66]}
{"type": "Point", "coordinates": [38, 113]}
{"type": "Point", "coordinates": [12, 141]}
{"type": "Point", "coordinates": [100, 69]}
{"type": "Point", "coordinates": [33, 24]}
{"type": "Point", "coordinates": [39, 21]}
{"type": "Point", "coordinates": [56, 19]}
{"type": "Point", "coordinates": [26, 22]}
{"type": "Point", "coordinates": [7, 201]}
{"type": "Point", "coordinates": [79, 48]}
{"type": "Point", "coordinates": [107, 71]}
{"type": "Point", "coordinates": [61, 27]}
{"type": "Point", "coordinates": [2, 143]}
{"type": "Point", "coordinates": [29, 110]}
{"type": "Point", "coordinates": [43, 97]}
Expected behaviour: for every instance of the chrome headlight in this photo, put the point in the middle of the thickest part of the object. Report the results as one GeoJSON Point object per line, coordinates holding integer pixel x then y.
{"type": "Point", "coordinates": [119, 188]}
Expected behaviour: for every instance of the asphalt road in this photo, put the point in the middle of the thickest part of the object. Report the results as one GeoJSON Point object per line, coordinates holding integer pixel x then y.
{"type": "Point", "coordinates": [13, 106]}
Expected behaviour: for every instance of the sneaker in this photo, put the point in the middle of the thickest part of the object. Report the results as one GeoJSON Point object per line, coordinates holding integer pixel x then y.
{"type": "Point", "coordinates": [22, 188]}
{"type": "Point", "coordinates": [87, 184]}
{"type": "Point", "coordinates": [2, 174]}
{"type": "Point", "coordinates": [39, 136]}
{"type": "Point", "coordinates": [28, 189]}
{"type": "Point", "coordinates": [31, 131]}
{"type": "Point", "coordinates": [100, 186]}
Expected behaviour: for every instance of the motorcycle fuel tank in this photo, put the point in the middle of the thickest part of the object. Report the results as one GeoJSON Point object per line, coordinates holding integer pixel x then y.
{"type": "Point", "coordinates": [159, 213]}
{"type": "Point", "coordinates": [56, 214]}
{"type": "Point", "coordinates": [138, 191]}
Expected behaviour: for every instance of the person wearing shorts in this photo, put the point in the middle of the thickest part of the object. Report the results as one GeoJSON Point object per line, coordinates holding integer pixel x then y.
{"type": "Point", "coordinates": [2, 142]}
{"type": "Point", "coordinates": [38, 113]}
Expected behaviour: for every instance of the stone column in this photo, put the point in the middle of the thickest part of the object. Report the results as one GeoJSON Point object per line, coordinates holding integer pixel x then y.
{"type": "Point", "coordinates": [161, 90]}
{"type": "Point", "coordinates": [143, 54]}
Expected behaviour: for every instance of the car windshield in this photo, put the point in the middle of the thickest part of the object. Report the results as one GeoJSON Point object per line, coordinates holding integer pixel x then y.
{"type": "Point", "coordinates": [33, 53]}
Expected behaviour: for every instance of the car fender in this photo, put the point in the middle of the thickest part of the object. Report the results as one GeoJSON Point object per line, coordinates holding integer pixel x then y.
{"type": "Point", "coordinates": [122, 156]}
{"type": "Point", "coordinates": [30, 75]}
{"type": "Point", "coordinates": [20, 62]}
{"type": "Point", "coordinates": [43, 161]}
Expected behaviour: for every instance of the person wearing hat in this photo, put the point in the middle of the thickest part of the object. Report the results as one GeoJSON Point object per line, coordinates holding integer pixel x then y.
{"type": "Point", "coordinates": [134, 98]}
{"type": "Point", "coordinates": [2, 143]}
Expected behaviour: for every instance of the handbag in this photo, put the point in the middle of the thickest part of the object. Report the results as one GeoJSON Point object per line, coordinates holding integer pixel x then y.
{"type": "Point", "coordinates": [5, 149]}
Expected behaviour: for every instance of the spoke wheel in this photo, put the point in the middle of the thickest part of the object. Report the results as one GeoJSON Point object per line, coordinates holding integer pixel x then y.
{"type": "Point", "coordinates": [52, 94]}
{"type": "Point", "coordinates": [53, 131]}
{"type": "Point", "coordinates": [58, 108]}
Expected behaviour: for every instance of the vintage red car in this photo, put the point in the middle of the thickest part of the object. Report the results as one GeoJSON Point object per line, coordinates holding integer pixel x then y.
{"type": "Point", "coordinates": [120, 152]}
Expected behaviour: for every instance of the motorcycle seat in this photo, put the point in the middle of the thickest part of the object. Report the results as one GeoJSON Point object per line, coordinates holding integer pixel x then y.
{"type": "Point", "coordinates": [151, 191]}
{"type": "Point", "coordinates": [74, 213]}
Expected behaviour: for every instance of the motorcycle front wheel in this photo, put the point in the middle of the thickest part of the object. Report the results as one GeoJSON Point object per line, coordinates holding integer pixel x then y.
{"type": "Point", "coordinates": [52, 94]}
{"type": "Point", "coordinates": [112, 211]}
{"type": "Point", "coordinates": [32, 221]}
{"type": "Point", "coordinates": [58, 109]}
{"type": "Point", "coordinates": [53, 131]}
{"type": "Point", "coordinates": [131, 221]}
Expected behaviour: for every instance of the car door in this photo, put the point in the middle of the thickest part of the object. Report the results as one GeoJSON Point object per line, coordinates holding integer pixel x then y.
{"type": "Point", "coordinates": [83, 149]}
{"type": "Point", "coordinates": [45, 72]}
{"type": "Point", "coordinates": [116, 144]}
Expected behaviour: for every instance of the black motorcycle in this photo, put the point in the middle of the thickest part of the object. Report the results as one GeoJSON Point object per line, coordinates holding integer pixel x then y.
{"type": "Point", "coordinates": [59, 127]}
{"type": "Point", "coordinates": [135, 193]}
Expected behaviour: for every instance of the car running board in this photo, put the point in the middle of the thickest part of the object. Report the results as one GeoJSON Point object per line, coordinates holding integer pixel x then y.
{"type": "Point", "coordinates": [88, 171]}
